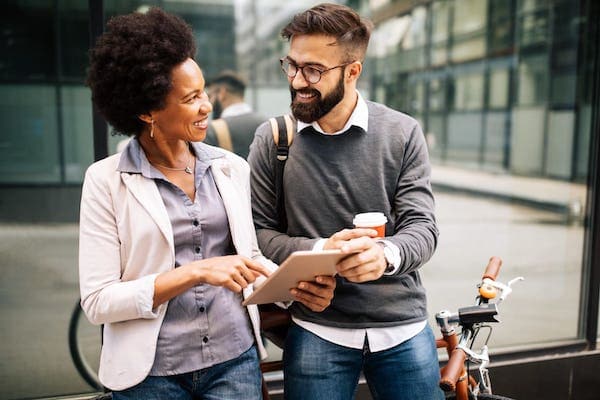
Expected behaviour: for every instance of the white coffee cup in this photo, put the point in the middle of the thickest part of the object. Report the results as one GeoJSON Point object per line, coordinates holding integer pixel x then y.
{"type": "Point", "coordinates": [373, 220]}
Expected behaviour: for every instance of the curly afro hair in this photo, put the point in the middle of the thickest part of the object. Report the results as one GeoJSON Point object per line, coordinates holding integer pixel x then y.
{"type": "Point", "coordinates": [131, 64]}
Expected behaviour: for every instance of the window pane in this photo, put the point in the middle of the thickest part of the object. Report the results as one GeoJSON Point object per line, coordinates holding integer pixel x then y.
{"type": "Point", "coordinates": [559, 152]}
{"type": "Point", "coordinates": [29, 144]}
{"type": "Point", "coordinates": [532, 23]}
{"type": "Point", "coordinates": [417, 96]}
{"type": "Point", "coordinates": [468, 92]}
{"type": "Point", "coordinates": [496, 124]}
{"type": "Point", "coordinates": [501, 25]}
{"type": "Point", "coordinates": [469, 29]}
{"type": "Point", "coordinates": [563, 89]}
{"type": "Point", "coordinates": [435, 138]}
{"type": "Point", "coordinates": [469, 15]}
{"type": "Point", "coordinates": [413, 41]}
{"type": "Point", "coordinates": [464, 137]}
{"type": "Point", "coordinates": [437, 94]}
{"type": "Point", "coordinates": [439, 21]}
{"type": "Point", "coordinates": [27, 47]}
{"type": "Point", "coordinates": [78, 134]}
{"type": "Point", "coordinates": [440, 12]}
{"type": "Point", "coordinates": [417, 33]}
{"type": "Point", "coordinates": [74, 40]}
{"type": "Point", "coordinates": [527, 140]}
{"type": "Point", "coordinates": [499, 83]}
{"type": "Point", "coordinates": [533, 80]}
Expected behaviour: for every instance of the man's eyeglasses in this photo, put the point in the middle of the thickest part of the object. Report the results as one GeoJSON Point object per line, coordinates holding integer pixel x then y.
{"type": "Point", "coordinates": [310, 74]}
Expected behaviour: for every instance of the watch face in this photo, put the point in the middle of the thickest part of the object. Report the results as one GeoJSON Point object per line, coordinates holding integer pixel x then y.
{"type": "Point", "coordinates": [391, 258]}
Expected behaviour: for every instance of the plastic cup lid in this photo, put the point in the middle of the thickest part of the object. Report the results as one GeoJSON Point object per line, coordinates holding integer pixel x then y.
{"type": "Point", "coordinates": [369, 219]}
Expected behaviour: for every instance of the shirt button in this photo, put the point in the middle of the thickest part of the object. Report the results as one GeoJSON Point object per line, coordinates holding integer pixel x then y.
{"type": "Point", "coordinates": [205, 339]}
{"type": "Point", "coordinates": [201, 309]}
{"type": "Point", "coordinates": [197, 249]}
{"type": "Point", "coordinates": [196, 223]}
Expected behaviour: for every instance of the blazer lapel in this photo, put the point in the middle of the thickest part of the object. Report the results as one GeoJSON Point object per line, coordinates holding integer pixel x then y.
{"type": "Point", "coordinates": [147, 194]}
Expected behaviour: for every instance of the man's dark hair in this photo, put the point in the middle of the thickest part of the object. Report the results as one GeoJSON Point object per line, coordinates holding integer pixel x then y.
{"type": "Point", "coordinates": [351, 32]}
{"type": "Point", "coordinates": [234, 83]}
{"type": "Point", "coordinates": [131, 64]}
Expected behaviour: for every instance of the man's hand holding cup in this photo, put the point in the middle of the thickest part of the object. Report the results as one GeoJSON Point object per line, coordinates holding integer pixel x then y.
{"type": "Point", "coordinates": [366, 261]}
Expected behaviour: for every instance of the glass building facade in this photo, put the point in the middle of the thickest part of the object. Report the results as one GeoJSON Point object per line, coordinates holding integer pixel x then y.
{"type": "Point", "coordinates": [476, 73]}
{"type": "Point", "coordinates": [46, 105]}
{"type": "Point", "coordinates": [507, 94]}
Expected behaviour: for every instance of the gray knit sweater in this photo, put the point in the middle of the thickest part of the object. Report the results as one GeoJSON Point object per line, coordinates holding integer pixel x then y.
{"type": "Point", "coordinates": [330, 178]}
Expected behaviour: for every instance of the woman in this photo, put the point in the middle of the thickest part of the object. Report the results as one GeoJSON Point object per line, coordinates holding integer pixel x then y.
{"type": "Point", "coordinates": [167, 244]}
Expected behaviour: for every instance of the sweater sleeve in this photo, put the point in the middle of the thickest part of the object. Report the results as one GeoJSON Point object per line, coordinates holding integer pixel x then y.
{"type": "Point", "coordinates": [415, 230]}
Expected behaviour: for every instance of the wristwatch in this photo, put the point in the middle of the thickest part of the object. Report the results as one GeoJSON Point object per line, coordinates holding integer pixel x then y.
{"type": "Point", "coordinates": [392, 256]}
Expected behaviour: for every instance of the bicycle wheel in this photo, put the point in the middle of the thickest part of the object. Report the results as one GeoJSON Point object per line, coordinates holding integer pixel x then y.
{"type": "Point", "coordinates": [452, 396]}
{"type": "Point", "coordinates": [84, 345]}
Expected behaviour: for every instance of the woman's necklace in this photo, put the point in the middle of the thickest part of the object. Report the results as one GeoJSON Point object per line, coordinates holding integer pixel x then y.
{"type": "Point", "coordinates": [187, 169]}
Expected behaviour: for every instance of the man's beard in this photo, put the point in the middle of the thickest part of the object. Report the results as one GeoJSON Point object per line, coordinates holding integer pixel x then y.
{"type": "Point", "coordinates": [310, 112]}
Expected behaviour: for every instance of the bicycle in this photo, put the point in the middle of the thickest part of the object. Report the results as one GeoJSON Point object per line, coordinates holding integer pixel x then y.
{"type": "Point", "coordinates": [456, 380]}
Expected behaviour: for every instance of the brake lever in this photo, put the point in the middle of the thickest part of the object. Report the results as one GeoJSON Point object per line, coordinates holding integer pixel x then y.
{"type": "Point", "coordinates": [505, 289]}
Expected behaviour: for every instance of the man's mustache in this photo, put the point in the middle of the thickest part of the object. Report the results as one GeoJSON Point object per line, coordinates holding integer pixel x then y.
{"type": "Point", "coordinates": [305, 91]}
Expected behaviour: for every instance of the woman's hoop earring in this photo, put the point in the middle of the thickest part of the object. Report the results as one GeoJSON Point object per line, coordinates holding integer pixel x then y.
{"type": "Point", "coordinates": [152, 129]}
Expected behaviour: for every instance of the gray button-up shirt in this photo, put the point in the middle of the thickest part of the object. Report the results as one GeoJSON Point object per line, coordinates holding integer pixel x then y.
{"type": "Point", "coordinates": [205, 325]}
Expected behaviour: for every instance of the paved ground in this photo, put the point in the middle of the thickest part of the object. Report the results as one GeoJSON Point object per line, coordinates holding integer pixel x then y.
{"type": "Point", "coordinates": [38, 288]}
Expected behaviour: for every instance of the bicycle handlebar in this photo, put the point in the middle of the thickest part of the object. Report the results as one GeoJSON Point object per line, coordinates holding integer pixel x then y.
{"type": "Point", "coordinates": [452, 370]}
{"type": "Point", "coordinates": [493, 268]}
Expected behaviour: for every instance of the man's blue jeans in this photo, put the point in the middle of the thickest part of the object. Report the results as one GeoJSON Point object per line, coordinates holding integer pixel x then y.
{"type": "Point", "coordinates": [317, 369]}
{"type": "Point", "coordinates": [236, 379]}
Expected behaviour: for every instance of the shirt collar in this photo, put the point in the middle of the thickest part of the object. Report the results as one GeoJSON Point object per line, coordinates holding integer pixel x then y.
{"type": "Point", "coordinates": [133, 159]}
{"type": "Point", "coordinates": [236, 109]}
{"type": "Point", "coordinates": [359, 118]}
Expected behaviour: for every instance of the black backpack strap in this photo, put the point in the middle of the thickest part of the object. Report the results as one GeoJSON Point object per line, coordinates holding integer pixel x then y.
{"type": "Point", "coordinates": [283, 134]}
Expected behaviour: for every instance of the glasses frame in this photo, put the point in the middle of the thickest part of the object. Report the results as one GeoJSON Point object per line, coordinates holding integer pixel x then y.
{"type": "Point", "coordinates": [301, 69]}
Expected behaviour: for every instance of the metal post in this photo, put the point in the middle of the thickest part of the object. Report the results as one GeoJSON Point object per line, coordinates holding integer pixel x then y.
{"type": "Point", "coordinates": [256, 56]}
{"type": "Point", "coordinates": [96, 12]}
{"type": "Point", "coordinates": [590, 292]}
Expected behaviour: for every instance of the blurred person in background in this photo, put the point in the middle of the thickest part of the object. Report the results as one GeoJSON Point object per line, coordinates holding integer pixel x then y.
{"type": "Point", "coordinates": [234, 121]}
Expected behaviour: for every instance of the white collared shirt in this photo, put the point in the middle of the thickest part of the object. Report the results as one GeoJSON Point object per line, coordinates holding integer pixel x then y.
{"type": "Point", "coordinates": [236, 109]}
{"type": "Point", "coordinates": [379, 338]}
{"type": "Point", "coordinates": [359, 117]}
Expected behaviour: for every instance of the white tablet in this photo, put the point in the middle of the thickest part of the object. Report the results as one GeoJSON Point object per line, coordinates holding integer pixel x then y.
{"type": "Point", "coordinates": [299, 266]}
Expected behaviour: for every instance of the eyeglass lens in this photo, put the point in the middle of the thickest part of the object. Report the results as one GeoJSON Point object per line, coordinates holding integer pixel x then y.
{"type": "Point", "coordinates": [311, 74]}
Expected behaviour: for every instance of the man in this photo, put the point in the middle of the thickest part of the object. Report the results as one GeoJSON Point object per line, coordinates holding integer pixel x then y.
{"type": "Point", "coordinates": [350, 156]}
{"type": "Point", "coordinates": [234, 122]}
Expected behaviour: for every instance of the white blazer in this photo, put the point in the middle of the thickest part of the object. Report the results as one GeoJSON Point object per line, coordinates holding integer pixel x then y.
{"type": "Point", "coordinates": [126, 240]}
